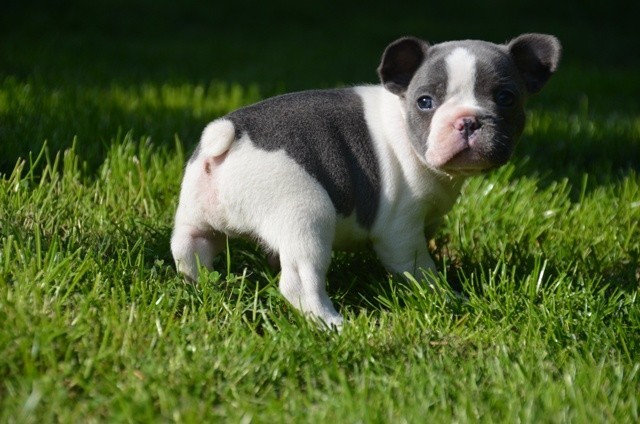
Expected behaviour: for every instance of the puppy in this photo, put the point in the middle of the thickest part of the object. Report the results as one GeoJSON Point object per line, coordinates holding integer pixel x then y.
{"type": "Point", "coordinates": [313, 171]}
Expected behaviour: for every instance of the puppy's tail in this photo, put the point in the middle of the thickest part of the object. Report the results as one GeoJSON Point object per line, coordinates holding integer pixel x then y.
{"type": "Point", "coordinates": [217, 138]}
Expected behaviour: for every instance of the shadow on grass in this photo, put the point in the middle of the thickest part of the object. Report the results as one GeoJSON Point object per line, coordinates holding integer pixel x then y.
{"type": "Point", "coordinates": [467, 270]}
{"type": "Point", "coordinates": [357, 282]}
{"type": "Point", "coordinates": [570, 145]}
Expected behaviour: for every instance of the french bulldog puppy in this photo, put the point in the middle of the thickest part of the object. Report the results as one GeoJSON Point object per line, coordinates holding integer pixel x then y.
{"type": "Point", "coordinates": [308, 172]}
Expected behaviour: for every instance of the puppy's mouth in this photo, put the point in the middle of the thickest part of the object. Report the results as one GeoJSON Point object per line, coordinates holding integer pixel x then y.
{"type": "Point", "coordinates": [468, 148]}
{"type": "Point", "coordinates": [466, 141]}
{"type": "Point", "coordinates": [466, 161]}
{"type": "Point", "coordinates": [460, 157]}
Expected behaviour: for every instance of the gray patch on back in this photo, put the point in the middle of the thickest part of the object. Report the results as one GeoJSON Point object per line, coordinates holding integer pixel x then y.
{"type": "Point", "coordinates": [326, 133]}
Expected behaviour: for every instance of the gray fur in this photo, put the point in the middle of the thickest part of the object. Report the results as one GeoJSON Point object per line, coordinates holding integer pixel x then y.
{"type": "Point", "coordinates": [325, 132]}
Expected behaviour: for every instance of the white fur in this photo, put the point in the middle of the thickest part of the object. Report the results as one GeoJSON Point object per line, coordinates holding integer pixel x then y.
{"type": "Point", "coordinates": [444, 141]}
{"type": "Point", "coordinates": [266, 195]}
{"type": "Point", "coordinates": [461, 76]}
{"type": "Point", "coordinates": [234, 188]}
{"type": "Point", "coordinates": [217, 138]}
{"type": "Point", "coordinates": [413, 196]}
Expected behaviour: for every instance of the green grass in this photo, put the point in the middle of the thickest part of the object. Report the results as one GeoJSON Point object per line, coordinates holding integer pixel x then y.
{"type": "Point", "coordinates": [96, 120]}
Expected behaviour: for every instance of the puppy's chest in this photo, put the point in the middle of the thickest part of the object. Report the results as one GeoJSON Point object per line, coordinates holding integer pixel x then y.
{"type": "Point", "coordinates": [406, 211]}
{"type": "Point", "coordinates": [349, 234]}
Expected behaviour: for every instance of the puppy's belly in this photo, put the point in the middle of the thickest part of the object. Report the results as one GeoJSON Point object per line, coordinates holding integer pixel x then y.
{"type": "Point", "coordinates": [350, 236]}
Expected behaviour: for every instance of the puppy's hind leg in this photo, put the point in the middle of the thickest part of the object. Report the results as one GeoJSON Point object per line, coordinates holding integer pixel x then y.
{"type": "Point", "coordinates": [305, 254]}
{"type": "Point", "coordinates": [190, 246]}
{"type": "Point", "coordinates": [193, 239]}
{"type": "Point", "coordinates": [303, 285]}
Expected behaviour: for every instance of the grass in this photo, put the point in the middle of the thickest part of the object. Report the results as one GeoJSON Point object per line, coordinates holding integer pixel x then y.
{"type": "Point", "coordinates": [543, 254]}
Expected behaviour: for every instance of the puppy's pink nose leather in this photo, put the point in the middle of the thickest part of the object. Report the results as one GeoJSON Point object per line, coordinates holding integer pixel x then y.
{"type": "Point", "coordinates": [467, 124]}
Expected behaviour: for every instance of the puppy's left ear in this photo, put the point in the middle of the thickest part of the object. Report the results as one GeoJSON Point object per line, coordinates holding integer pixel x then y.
{"type": "Point", "coordinates": [537, 57]}
{"type": "Point", "coordinates": [400, 61]}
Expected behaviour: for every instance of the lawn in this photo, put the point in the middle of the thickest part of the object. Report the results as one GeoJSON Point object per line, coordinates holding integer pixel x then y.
{"type": "Point", "coordinates": [538, 319]}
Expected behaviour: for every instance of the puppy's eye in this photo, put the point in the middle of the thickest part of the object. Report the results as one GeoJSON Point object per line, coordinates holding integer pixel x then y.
{"type": "Point", "coordinates": [425, 103]}
{"type": "Point", "coordinates": [505, 98]}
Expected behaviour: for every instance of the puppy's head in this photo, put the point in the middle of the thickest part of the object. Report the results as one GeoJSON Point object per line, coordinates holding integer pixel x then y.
{"type": "Point", "coordinates": [464, 100]}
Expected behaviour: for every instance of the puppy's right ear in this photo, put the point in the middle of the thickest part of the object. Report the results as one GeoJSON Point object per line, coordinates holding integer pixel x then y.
{"type": "Point", "coordinates": [400, 61]}
{"type": "Point", "coordinates": [537, 57]}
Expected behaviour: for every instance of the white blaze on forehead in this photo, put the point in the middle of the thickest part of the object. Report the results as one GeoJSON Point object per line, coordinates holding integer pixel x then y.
{"type": "Point", "coordinates": [444, 140]}
{"type": "Point", "coordinates": [461, 73]}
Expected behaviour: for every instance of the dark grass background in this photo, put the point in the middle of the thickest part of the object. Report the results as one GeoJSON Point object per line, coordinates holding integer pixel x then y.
{"type": "Point", "coordinates": [62, 55]}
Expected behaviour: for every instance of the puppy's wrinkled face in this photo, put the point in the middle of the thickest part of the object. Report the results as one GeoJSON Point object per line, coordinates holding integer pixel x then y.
{"type": "Point", "coordinates": [465, 108]}
{"type": "Point", "coordinates": [464, 100]}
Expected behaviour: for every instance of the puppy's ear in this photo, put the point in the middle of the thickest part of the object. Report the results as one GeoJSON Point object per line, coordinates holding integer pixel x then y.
{"type": "Point", "coordinates": [537, 57]}
{"type": "Point", "coordinates": [401, 59]}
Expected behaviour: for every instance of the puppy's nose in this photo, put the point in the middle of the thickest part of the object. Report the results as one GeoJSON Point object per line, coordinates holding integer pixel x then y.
{"type": "Point", "coordinates": [467, 125]}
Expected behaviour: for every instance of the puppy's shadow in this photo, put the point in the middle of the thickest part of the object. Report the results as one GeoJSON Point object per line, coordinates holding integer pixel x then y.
{"type": "Point", "coordinates": [355, 279]}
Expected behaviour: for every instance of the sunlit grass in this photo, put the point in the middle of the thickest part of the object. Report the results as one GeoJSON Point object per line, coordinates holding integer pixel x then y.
{"type": "Point", "coordinates": [97, 323]}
